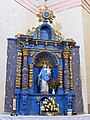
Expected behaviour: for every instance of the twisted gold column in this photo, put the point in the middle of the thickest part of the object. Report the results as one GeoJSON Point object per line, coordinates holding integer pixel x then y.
{"type": "Point", "coordinates": [30, 75]}
{"type": "Point", "coordinates": [18, 71]}
{"type": "Point", "coordinates": [60, 77]}
{"type": "Point", "coordinates": [71, 72]}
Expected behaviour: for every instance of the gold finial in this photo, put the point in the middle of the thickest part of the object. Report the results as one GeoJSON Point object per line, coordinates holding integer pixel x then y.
{"type": "Point", "coordinates": [45, 15]}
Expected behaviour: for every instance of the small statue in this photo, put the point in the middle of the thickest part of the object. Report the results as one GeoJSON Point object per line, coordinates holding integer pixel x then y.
{"type": "Point", "coordinates": [44, 77]}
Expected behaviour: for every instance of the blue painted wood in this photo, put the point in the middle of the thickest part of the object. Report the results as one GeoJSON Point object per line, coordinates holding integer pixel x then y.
{"type": "Point", "coordinates": [27, 102]}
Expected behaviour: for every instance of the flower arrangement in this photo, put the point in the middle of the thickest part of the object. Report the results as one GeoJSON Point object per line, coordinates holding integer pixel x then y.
{"type": "Point", "coordinates": [50, 106]}
{"type": "Point", "coordinates": [53, 83]}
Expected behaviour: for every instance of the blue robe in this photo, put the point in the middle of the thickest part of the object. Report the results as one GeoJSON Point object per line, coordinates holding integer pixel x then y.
{"type": "Point", "coordinates": [44, 78]}
{"type": "Point", "coordinates": [44, 75]}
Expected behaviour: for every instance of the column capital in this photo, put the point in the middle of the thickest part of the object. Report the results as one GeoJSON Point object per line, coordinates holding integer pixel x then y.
{"type": "Point", "coordinates": [66, 53]}
{"type": "Point", "coordinates": [25, 51]}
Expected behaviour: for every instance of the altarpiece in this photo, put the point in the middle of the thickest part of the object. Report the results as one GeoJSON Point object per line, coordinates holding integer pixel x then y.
{"type": "Point", "coordinates": [43, 66]}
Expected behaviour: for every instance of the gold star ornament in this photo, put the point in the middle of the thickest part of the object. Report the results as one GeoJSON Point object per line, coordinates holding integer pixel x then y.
{"type": "Point", "coordinates": [45, 15]}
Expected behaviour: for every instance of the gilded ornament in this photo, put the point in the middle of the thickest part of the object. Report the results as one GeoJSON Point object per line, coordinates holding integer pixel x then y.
{"type": "Point", "coordinates": [38, 98]}
{"type": "Point", "coordinates": [70, 39]}
{"type": "Point", "coordinates": [59, 35]}
{"type": "Point", "coordinates": [32, 53]}
{"type": "Point", "coordinates": [18, 35]}
{"type": "Point", "coordinates": [45, 15]}
{"type": "Point", "coordinates": [59, 55]}
{"type": "Point", "coordinates": [25, 51]}
{"type": "Point", "coordinates": [36, 43]}
{"type": "Point", "coordinates": [46, 43]}
{"type": "Point", "coordinates": [30, 32]}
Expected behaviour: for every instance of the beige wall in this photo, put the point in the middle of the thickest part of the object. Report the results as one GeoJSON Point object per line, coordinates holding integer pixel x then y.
{"type": "Point", "coordinates": [14, 19]}
{"type": "Point", "coordinates": [86, 29]}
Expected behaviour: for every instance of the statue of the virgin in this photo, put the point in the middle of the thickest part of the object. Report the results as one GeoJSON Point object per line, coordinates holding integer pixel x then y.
{"type": "Point", "coordinates": [44, 76]}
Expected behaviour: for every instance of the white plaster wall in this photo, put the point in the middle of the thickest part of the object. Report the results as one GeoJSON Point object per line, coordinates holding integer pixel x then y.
{"type": "Point", "coordinates": [71, 22]}
{"type": "Point", "coordinates": [13, 19]}
{"type": "Point", "coordinates": [86, 29]}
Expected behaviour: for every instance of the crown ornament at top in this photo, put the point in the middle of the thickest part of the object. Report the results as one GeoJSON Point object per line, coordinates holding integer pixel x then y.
{"type": "Point", "coordinates": [45, 15]}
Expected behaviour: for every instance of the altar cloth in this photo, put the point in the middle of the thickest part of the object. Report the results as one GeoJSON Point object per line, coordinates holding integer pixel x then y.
{"type": "Point", "coordinates": [75, 117]}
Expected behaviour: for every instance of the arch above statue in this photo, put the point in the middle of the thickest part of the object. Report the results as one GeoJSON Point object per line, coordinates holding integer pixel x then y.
{"type": "Point", "coordinates": [50, 58]}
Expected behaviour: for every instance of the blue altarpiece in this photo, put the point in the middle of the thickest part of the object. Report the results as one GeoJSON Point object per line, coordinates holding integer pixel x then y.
{"type": "Point", "coordinates": [31, 50]}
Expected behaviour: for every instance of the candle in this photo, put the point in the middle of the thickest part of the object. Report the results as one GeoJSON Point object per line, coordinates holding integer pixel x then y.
{"type": "Point", "coordinates": [14, 104]}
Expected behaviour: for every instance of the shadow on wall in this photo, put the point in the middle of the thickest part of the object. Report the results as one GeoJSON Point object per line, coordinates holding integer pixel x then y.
{"type": "Point", "coordinates": [89, 108]}
{"type": "Point", "coordinates": [57, 26]}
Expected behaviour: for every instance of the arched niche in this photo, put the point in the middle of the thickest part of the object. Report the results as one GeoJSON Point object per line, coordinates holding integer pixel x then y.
{"type": "Point", "coordinates": [51, 60]}
{"type": "Point", "coordinates": [45, 32]}
{"type": "Point", "coordinates": [49, 57]}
